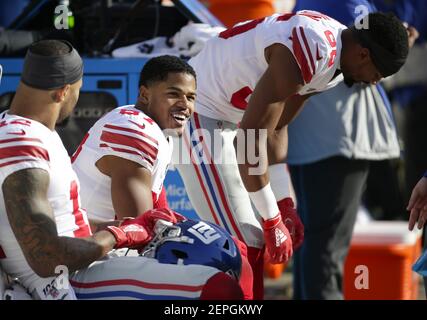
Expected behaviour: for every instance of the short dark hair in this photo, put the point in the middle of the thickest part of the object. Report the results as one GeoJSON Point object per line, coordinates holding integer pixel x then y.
{"type": "Point", "coordinates": [387, 41]}
{"type": "Point", "coordinates": [388, 31]}
{"type": "Point", "coordinates": [50, 48]}
{"type": "Point", "coordinates": [158, 68]}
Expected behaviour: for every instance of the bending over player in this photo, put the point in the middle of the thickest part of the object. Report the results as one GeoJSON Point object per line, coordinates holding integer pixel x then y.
{"type": "Point", "coordinates": [253, 80]}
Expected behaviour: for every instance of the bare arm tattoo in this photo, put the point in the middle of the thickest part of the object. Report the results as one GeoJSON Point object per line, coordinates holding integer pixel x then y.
{"type": "Point", "coordinates": [31, 218]}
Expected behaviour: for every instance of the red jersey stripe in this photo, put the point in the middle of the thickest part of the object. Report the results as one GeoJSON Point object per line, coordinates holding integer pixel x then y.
{"type": "Point", "coordinates": [300, 56]}
{"type": "Point", "coordinates": [104, 145]}
{"type": "Point", "coordinates": [20, 139]}
{"type": "Point", "coordinates": [307, 48]}
{"type": "Point", "coordinates": [23, 122]}
{"type": "Point", "coordinates": [15, 161]}
{"type": "Point", "coordinates": [234, 31]}
{"type": "Point", "coordinates": [83, 228]}
{"type": "Point", "coordinates": [129, 141]}
{"type": "Point", "coordinates": [142, 134]}
{"type": "Point", "coordinates": [21, 151]}
{"type": "Point", "coordinates": [79, 148]}
{"type": "Point", "coordinates": [136, 283]}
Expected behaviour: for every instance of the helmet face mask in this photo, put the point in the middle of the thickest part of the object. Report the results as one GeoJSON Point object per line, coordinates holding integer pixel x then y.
{"type": "Point", "coordinates": [164, 234]}
{"type": "Point", "coordinates": [196, 242]}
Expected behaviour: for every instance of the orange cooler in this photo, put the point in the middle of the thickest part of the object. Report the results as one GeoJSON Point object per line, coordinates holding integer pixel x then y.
{"type": "Point", "coordinates": [379, 263]}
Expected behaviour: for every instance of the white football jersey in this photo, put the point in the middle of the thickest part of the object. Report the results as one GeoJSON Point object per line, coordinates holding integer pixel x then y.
{"type": "Point", "coordinates": [124, 132]}
{"type": "Point", "coordinates": [231, 64]}
{"type": "Point", "coordinates": [26, 144]}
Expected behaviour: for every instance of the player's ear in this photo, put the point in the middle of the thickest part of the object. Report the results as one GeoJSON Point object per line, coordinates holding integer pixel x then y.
{"type": "Point", "coordinates": [60, 94]}
{"type": "Point", "coordinates": [143, 94]}
{"type": "Point", "coordinates": [364, 54]}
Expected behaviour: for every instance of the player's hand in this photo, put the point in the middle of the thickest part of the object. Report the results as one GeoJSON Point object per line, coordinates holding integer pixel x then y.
{"type": "Point", "coordinates": [418, 205]}
{"type": "Point", "coordinates": [277, 240]}
{"type": "Point", "coordinates": [292, 221]}
{"type": "Point", "coordinates": [131, 236]}
{"type": "Point", "coordinates": [413, 35]}
{"type": "Point", "coordinates": [150, 218]}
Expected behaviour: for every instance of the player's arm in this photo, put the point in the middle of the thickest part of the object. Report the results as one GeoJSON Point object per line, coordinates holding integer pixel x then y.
{"type": "Point", "coordinates": [130, 185]}
{"type": "Point", "coordinates": [277, 141]}
{"type": "Point", "coordinates": [31, 218]}
{"type": "Point", "coordinates": [98, 225]}
{"type": "Point", "coordinates": [281, 80]}
{"type": "Point", "coordinates": [277, 154]}
{"type": "Point", "coordinates": [294, 106]}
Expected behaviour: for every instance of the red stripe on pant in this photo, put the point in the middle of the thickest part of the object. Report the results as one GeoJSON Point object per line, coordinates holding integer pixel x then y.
{"type": "Point", "coordinates": [202, 185]}
{"type": "Point", "coordinates": [255, 255]}
{"type": "Point", "coordinates": [218, 183]}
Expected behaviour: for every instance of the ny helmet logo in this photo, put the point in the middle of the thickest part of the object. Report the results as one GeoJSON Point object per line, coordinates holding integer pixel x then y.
{"type": "Point", "coordinates": [204, 232]}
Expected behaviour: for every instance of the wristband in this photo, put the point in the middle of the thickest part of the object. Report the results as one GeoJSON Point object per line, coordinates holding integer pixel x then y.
{"type": "Point", "coordinates": [271, 223]}
{"type": "Point", "coordinates": [265, 202]}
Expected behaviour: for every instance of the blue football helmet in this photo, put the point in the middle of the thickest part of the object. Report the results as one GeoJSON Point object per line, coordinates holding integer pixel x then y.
{"type": "Point", "coordinates": [196, 242]}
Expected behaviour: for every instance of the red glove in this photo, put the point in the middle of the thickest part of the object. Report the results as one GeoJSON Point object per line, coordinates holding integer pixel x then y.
{"type": "Point", "coordinates": [292, 221]}
{"type": "Point", "coordinates": [277, 240]}
{"type": "Point", "coordinates": [131, 236]}
{"type": "Point", "coordinates": [149, 218]}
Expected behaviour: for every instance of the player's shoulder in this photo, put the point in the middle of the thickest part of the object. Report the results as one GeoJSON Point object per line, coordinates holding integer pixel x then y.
{"type": "Point", "coordinates": [315, 24]}
{"type": "Point", "coordinates": [16, 129]}
{"type": "Point", "coordinates": [131, 119]}
{"type": "Point", "coordinates": [129, 133]}
{"type": "Point", "coordinates": [127, 112]}
{"type": "Point", "coordinates": [24, 143]}
{"type": "Point", "coordinates": [315, 19]}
